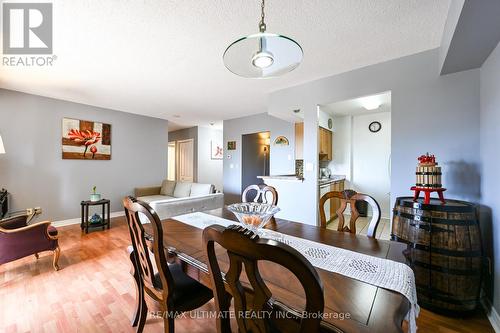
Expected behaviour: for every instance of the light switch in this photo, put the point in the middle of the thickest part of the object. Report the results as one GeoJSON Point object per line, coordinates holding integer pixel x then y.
{"type": "Point", "coordinates": [231, 166]}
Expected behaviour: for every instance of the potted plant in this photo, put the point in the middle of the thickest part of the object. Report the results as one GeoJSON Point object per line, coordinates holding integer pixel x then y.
{"type": "Point", "coordinates": [95, 196]}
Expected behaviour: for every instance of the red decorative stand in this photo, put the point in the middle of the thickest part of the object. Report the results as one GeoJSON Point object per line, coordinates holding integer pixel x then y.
{"type": "Point", "coordinates": [428, 191]}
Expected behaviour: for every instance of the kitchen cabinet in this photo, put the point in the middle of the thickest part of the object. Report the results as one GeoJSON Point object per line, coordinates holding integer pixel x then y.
{"type": "Point", "coordinates": [299, 141]}
{"type": "Point", "coordinates": [337, 186]}
{"type": "Point", "coordinates": [325, 144]}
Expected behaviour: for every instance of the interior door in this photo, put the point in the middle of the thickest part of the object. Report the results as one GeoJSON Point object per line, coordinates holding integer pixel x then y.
{"type": "Point", "coordinates": [185, 160]}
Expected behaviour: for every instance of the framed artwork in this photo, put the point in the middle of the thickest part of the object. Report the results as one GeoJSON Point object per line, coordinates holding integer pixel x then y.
{"type": "Point", "coordinates": [216, 151]}
{"type": "Point", "coordinates": [281, 141]}
{"type": "Point", "coordinates": [85, 140]}
{"type": "Point", "coordinates": [231, 145]}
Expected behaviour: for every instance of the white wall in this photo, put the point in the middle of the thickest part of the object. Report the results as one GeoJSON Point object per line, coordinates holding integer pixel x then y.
{"type": "Point", "coordinates": [282, 160]}
{"type": "Point", "coordinates": [429, 113]}
{"type": "Point", "coordinates": [371, 158]}
{"type": "Point", "coordinates": [363, 156]}
{"type": "Point", "coordinates": [209, 171]}
{"type": "Point", "coordinates": [341, 162]}
{"type": "Point", "coordinates": [490, 160]}
{"type": "Point", "coordinates": [35, 174]}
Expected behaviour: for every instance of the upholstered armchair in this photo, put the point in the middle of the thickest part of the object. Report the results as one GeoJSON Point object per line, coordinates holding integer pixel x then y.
{"type": "Point", "coordinates": [19, 239]}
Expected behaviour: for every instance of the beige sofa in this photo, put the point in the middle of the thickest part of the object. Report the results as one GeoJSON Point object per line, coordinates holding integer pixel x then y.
{"type": "Point", "coordinates": [177, 198]}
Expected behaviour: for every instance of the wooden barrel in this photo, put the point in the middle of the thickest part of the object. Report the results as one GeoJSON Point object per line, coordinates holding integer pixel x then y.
{"type": "Point", "coordinates": [444, 251]}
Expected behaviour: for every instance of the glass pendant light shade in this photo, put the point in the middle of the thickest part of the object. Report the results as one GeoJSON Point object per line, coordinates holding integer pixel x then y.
{"type": "Point", "coordinates": [263, 55]}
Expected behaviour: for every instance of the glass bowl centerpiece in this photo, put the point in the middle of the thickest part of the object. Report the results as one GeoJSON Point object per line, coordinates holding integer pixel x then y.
{"type": "Point", "coordinates": [253, 215]}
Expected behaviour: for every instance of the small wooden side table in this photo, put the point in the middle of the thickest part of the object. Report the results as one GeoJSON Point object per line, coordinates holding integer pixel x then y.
{"type": "Point", "coordinates": [85, 224]}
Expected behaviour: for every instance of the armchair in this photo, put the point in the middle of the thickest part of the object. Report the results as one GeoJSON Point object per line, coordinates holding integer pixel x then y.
{"type": "Point", "coordinates": [19, 239]}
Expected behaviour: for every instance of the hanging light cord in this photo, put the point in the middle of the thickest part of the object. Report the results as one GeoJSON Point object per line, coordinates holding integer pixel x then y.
{"type": "Point", "coordinates": [262, 25]}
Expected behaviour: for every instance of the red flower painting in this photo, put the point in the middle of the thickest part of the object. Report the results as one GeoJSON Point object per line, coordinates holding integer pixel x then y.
{"type": "Point", "coordinates": [86, 140]}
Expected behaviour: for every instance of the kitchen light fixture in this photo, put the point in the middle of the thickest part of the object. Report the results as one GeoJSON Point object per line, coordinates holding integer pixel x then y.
{"type": "Point", "coordinates": [2, 149]}
{"type": "Point", "coordinates": [371, 102]}
{"type": "Point", "coordinates": [263, 55]}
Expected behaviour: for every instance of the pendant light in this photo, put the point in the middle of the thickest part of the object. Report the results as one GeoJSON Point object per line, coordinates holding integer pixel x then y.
{"type": "Point", "coordinates": [263, 55]}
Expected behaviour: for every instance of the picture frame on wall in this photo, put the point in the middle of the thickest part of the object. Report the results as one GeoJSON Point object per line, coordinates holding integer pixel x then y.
{"type": "Point", "coordinates": [85, 140]}
{"type": "Point", "coordinates": [216, 150]}
{"type": "Point", "coordinates": [231, 145]}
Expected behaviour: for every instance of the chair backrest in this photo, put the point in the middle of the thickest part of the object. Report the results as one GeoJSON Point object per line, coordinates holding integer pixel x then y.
{"type": "Point", "coordinates": [262, 193]}
{"type": "Point", "coordinates": [146, 266]}
{"type": "Point", "coordinates": [245, 249]}
{"type": "Point", "coordinates": [350, 197]}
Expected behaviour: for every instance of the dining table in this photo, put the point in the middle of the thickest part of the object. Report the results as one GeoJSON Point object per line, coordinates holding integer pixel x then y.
{"type": "Point", "coordinates": [350, 305]}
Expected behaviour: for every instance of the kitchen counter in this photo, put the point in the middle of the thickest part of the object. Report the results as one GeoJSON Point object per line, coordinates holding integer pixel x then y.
{"type": "Point", "coordinates": [332, 179]}
{"type": "Point", "coordinates": [282, 177]}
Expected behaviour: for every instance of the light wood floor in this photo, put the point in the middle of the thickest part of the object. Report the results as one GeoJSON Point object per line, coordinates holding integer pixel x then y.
{"type": "Point", "coordinates": [383, 229]}
{"type": "Point", "coordinates": [93, 291]}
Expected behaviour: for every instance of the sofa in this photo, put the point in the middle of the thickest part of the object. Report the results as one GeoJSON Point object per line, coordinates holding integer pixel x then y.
{"type": "Point", "coordinates": [173, 198]}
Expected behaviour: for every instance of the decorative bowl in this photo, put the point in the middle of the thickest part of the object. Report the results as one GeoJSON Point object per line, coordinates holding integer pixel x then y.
{"type": "Point", "coordinates": [253, 215]}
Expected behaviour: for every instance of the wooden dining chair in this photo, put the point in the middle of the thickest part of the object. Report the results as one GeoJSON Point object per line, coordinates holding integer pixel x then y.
{"type": "Point", "coordinates": [262, 194]}
{"type": "Point", "coordinates": [245, 249]}
{"type": "Point", "coordinates": [155, 278]}
{"type": "Point", "coordinates": [350, 197]}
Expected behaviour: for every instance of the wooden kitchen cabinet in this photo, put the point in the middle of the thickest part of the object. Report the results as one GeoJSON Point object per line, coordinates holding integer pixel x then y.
{"type": "Point", "coordinates": [335, 202]}
{"type": "Point", "coordinates": [299, 141]}
{"type": "Point", "coordinates": [325, 144]}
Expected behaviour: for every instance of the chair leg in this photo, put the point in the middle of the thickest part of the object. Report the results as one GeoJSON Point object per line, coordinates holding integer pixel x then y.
{"type": "Point", "coordinates": [57, 252]}
{"type": "Point", "coordinates": [36, 256]}
{"type": "Point", "coordinates": [168, 323]}
{"type": "Point", "coordinates": [139, 291]}
{"type": "Point", "coordinates": [142, 317]}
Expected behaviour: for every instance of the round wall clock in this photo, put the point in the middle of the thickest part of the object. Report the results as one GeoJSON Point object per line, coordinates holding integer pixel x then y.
{"type": "Point", "coordinates": [375, 126]}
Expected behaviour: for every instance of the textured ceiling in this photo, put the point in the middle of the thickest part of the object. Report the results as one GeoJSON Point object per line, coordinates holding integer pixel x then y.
{"type": "Point", "coordinates": [164, 58]}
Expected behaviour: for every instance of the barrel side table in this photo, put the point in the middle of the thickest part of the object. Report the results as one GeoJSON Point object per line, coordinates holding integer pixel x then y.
{"type": "Point", "coordinates": [444, 250]}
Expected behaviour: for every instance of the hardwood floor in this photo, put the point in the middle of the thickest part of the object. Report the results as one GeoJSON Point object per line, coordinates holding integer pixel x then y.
{"type": "Point", "coordinates": [94, 292]}
{"type": "Point", "coordinates": [383, 230]}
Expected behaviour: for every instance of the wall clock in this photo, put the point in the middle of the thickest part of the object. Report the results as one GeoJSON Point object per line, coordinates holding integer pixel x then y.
{"type": "Point", "coordinates": [375, 126]}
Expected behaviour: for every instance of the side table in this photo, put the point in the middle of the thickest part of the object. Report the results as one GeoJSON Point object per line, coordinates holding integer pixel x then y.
{"type": "Point", "coordinates": [85, 224]}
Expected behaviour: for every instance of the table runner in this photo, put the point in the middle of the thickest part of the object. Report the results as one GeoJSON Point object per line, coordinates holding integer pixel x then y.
{"type": "Point", "coordinates": [380, 272]}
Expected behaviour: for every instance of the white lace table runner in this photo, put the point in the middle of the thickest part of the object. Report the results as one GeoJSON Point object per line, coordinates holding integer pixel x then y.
{"type": "Point", "coordinates": [384, 273]}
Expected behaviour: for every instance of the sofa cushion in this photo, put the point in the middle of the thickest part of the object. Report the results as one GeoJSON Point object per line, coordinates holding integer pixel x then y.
{"type": "Point", "coordinates": [182, 190]}
{"type": "Point", "coordinates": [150, 198]}
{"type": "Point", "coordinates": [167, 188]}
{"type": "Point", "coordinates": [200, 189]}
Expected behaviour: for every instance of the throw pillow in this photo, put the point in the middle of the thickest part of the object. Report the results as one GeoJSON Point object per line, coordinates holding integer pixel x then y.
{"type": "Point", "coordinates": [182, 190]}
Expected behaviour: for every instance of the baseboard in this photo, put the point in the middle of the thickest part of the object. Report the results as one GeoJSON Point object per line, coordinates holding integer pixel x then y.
{"type": "Point", "coordinates": [77, 220]}
{"type": "Point", "coordinates": [492, 315]}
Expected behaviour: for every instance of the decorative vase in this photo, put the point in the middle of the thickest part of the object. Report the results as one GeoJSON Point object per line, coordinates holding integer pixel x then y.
{"type": "Point", "coordinates": [95, 197]}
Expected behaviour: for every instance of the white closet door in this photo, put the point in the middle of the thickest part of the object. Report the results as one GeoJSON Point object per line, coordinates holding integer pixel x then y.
{"type": "Point", "coordinates": [185, 165]}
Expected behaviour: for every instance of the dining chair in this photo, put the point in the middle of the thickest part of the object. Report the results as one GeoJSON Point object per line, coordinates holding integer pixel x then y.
{"type": "Point", "coordinates": [165, 283]}
{"type": "Point", "coordinates": [245, 250]}
{"type": "Point", "coordinates": [350, 197]}
{"type": "Point", "coordinates": [263, 193]}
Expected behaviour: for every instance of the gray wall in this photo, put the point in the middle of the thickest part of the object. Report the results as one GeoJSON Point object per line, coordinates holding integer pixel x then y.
{"type": "Point", "coordinates": [282, 160]}
{"type": "Point", "coordinates": [35, 174]}
{"type": "Point", "coordinates": [209, 171]}
{"type": "Point", "coordinates": [185, 134]}
{"type": "Point", "coordinates": [490, 159]}
{"type": "Point", "coordinates": [439, 114]}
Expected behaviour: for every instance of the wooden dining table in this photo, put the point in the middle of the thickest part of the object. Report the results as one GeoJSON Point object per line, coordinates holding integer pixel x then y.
{"type": "Point", "coordinates": [350, 305]}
